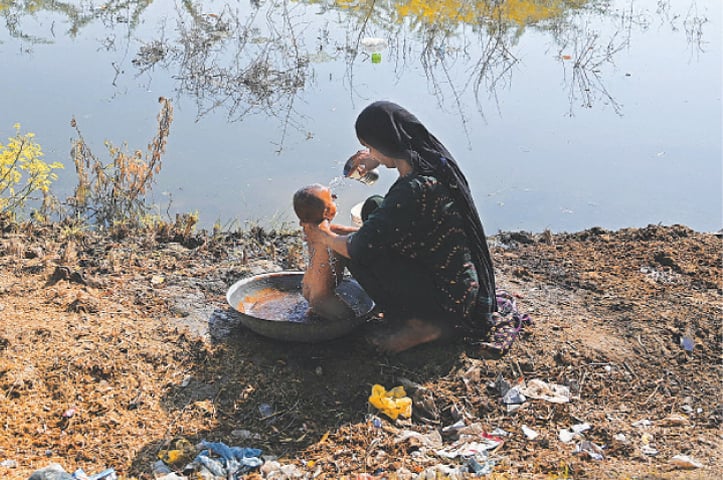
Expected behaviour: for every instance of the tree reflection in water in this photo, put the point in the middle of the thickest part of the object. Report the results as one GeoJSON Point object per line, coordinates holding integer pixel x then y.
{"type": "Point", "coordinates": [259, 57]}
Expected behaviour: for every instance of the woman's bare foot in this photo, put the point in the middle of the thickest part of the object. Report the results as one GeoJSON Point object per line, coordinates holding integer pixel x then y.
{"type": "Point", "coordinates": [410, 333]}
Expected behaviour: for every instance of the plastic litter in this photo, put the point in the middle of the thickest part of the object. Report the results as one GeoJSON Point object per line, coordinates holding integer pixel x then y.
{"type": "Point", "coordinates": [687, 343]}
{"type": "Point", "coordinates": [649, 450]}
{"type": "Point", "coordinates": [107, 474]}
{"type": "Point", "coordinates": [443, 471]}
{"type": "Point", "coordinates": [514, 398]}
{"type": "Point", "coordinates": [590, 449]}
{"type": "Point", "coordinates": [581, 427]}
{"type": "Point", "coordinates": [575, 432]}
{"type": "Point", "coordinates": [453, 430]}
{"type": "Point", "coordinates": [266, 410]}
{"type": "Point", "coordinates": [213, 466]}
{"type": "Point", "coordinates": [471, 446]}
{"type": "Point", "coordinates": [51, 472]}
{"type": "Point", "coordinates": [392, 403]}
{"type": "Point", "coordinates": [685, 462]}
{"type": "Point", "coordinates": [431, 440]}
{"type": "Point", "coordinates": [468, 449]}
{"type": "Point", "coordinates": [214, 459]}
{"type": "Point", "coordinates": [549, 392]}
{"type": "Point", "coordinates": [511, 395]}
{"type": "Point", "coordinates": [470, 440]}
{"type": "Point", "coordinates": [273, 470]}
{"type": "Point", "coordinates": [566, 436]}
{"type": "Point", "coordinates": [373, 44]}
{"type": "Point", "coordinates": [647, 447]}
{"type": "Point", "coordinates": [9, 463]}
{"type": "Point", "coordinates": [529, 433]}
{"type": "Point", "coordinates": [642, 423]}
{"type": "Point", "coordinates": [480, 469]}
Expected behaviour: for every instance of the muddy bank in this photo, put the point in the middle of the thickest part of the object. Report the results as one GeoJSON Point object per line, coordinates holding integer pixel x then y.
{"type": "Point", "coordinates": [112, 348]}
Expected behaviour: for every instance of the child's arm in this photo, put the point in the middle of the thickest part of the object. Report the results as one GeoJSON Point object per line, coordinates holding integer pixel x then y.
{"type": "Point", "coordinates": [342, 229]}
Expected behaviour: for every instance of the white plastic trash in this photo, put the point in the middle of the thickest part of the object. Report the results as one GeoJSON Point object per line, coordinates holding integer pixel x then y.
{"type": "Point", "coordinates": [684, 461]}
{"type": "Point", "coordinates": [373, 44]}
{"type": "Point", "coordinates": [529, 433]}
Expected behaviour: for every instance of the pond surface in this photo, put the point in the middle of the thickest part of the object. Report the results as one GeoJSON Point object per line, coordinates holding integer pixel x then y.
{"type": "Point", "coordinates": [564, 114]}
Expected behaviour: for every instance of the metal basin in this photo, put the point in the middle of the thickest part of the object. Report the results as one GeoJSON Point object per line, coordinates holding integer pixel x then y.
{"type": "Point", "coordinates": [272, 305]}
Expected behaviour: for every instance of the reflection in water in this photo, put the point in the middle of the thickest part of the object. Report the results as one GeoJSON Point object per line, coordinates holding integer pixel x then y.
{"type": "Point", "coordinates": [77, 16]}
{"type": "Point", "coordinates": [293, 66]}
{"type": "Point", "coordinates": [259, 60]}
{"type": "Point", "coordinates": [223, 61]}
{"type": "Point", "coordinates": [584, 54]}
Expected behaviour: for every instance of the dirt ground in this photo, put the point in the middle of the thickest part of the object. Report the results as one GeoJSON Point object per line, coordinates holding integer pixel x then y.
{"type": "Point", "coordinates": [112, 349]}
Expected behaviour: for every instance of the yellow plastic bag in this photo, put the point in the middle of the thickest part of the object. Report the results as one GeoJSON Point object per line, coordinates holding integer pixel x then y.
{"type": "Point", "coordinates": [392, 403]}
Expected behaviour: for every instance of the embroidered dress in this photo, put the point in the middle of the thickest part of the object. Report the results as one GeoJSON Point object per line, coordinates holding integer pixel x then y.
{"type": "Point", "coordinates": [412, 256]}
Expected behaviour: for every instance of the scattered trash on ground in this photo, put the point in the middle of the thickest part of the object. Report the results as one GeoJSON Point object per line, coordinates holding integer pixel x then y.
{"type": "Point", "coordinates": [647, 446]}
{"type": "Point", "coordinates": [573, 433]}
{"type": "Point", "coordinates": [590, 449]}
{"type": "Point", "coordinates": [529, 433]}
{"type": "Point", "coordinates": [512, 397]}
{"type": "Point", "coordinates": [687, 343]}
{"type": "Point", "coordinates": [392, 403]}
{"type": "Point", "coordinates": [55, 472]}
{"type": "Point", "coordinates": [138, 374]}
{"type": "Point", "coordinates": [685, 462]}
{"type": "Point", "coordinates": [549, 392]}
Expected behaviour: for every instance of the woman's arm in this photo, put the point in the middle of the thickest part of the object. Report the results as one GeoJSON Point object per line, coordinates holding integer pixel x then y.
{"type": "Point", "coordinates": [323, 233]}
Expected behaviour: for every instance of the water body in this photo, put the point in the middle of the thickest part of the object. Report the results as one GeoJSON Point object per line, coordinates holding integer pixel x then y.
{"type": "Point", "coordinates": [563, 114]}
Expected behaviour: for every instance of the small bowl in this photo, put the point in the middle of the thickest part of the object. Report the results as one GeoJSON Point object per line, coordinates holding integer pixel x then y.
{"type": "Point", "coordinates": [271, 305]}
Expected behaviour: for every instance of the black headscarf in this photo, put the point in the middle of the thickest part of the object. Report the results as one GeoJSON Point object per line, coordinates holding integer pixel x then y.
{"type": "Point", "coordinates": [397, 133]}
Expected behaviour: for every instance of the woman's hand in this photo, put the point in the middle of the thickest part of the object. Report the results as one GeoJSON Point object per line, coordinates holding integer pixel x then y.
{"type": "Point", "coordinates": [318, 233]}
{"type": "Point", "coordinates": [361, 163]}
{"type": "Point", "coordinates": [322, 234]}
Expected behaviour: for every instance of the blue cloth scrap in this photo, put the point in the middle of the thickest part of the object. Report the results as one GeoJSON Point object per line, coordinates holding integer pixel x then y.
{"type": "Point", "coordinates": [235, 458]}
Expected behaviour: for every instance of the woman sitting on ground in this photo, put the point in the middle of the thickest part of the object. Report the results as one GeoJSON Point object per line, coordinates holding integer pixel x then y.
{"type": "Point", "coordinates": [421, 253]}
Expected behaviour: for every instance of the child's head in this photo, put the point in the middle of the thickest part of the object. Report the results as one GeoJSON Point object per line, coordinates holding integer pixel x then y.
{"type": "Point", "coordinates": [314, 203]}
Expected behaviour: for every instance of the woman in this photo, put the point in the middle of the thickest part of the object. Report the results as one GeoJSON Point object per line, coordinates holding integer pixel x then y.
{"type": "Point", "coordinates": [421, 254]}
